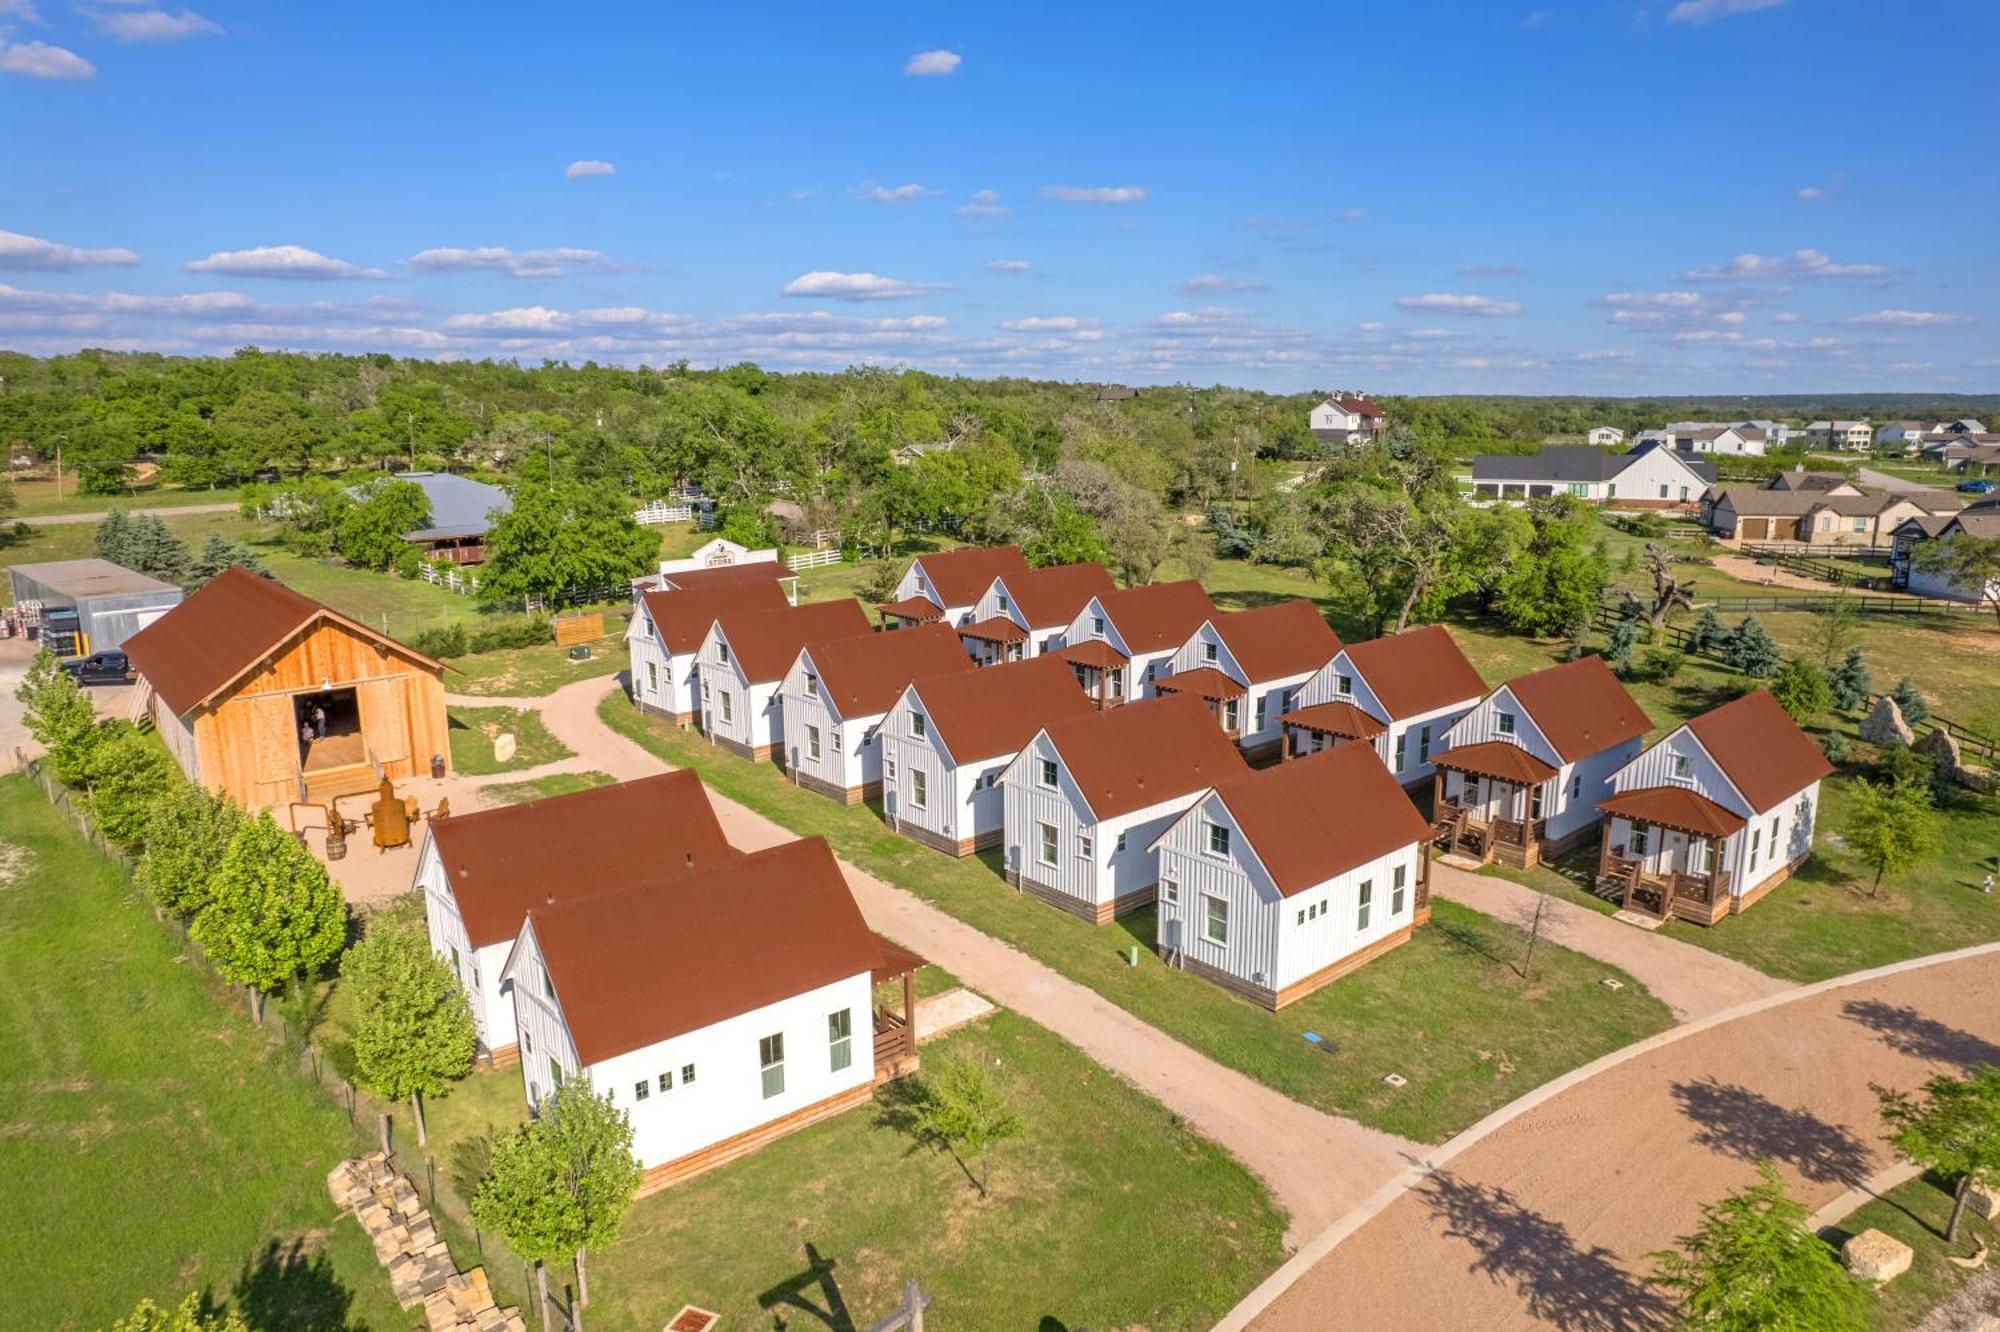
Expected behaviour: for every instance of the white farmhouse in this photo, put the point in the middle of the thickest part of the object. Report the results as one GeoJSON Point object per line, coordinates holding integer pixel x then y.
{"type": "Point", "coordinates": [1025, 613]}
{"type": "Point", "coordinates": [1246, 668]}
{"type": "Point", "coordinates": [705, 577]}
{"type": "Point", "coordinates": [1120, 642]}
{"type": "Point", "coordinates": [744, 657]}
{"type": "Point", "coordinates": [1980, 522]}
{"type": "Point", "coordinates": [1398, 694]}
{"type": "Point", "coordinates": [1716, 814]}
{"type": "Point", "coordinates": [1346, 418]}
{"type": "Point", "coordinates": [947, 585]}
{"type": "Point", "coordinates": [1086, 798]}
{"type": "Point", "coordinates": [1605, 437]}
{"type": "Point", "coordinates": [835, 694]}
{"type": "Point", "coordinates": [948, 738]}
{"type": "Point", "coordinates": [1521, 775]}
{"type": "Point", "coordinates": [479, 873]}
{"type": "Point", "coordinates": [1276, 882]}
{"type": "Point", "coordinates": [664, 641]}
{"type": "Point", "coordinates": [1839, 435]}
{"type": "Point", "coordinates": [1903, 435]}
{"type": "Point", "coordinates": [718, 1009]}
{"type": "Point", "coordinates": [1649, 475]}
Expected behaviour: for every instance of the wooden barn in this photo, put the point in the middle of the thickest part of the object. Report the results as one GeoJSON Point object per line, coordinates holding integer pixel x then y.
{"type": "Point", "coordinates": [269, 697]}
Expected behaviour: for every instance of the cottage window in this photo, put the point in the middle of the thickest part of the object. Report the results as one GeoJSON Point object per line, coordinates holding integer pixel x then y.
{"type": "Point", "coordinates": [1640, 835]}
{"type": "Point", "coordinates": [1048, 773]}
{"type": "Point", "coordinates": [920, 793]}
{"type": "Point", "coordinates": [888, 768]}
{"type": "Point", "coordinates": [1048, 847]}
{"type": "Point", "coordinates": [1218, 840]}
{"type": "Point", "coordinates": [812, 742]}
{"type": "Point", "coordinates": [836, 742]}
{"type": "Point", "coordinates": [667, 1081]}
{"type": "Point", "coordinates": [704, 689]}
{"type": "Point", "coordinates": [1402, 748]}
{"type": "Point", "coordinates": [1424, 745]}
{"type": "Point", "coordinates": [771, 1059]}
{"type": "Point", "coordinates": [1302, 917]}
{"type": "Point", "coordinates": [1399, 891]}
{"type": "Point", "coordinates": [1083, 846]}
{"type": "Point", "coordinates": [1263, 700]}
{"type": "Point", "coordinates": [728, 706]}
{"type": "Point", "coordinates": [1170, 892]}
{"type": "Point", "coordinates": [1535, 800]}
{"type": "Point", "coordinates": [812, 685]}
{"type": "Point", "coordinates": [1118, 682]}
{"type": "Point", "coordinates": [1120, 846]}
{"type": "Point", "coordinates": [641, 1090]}
{"type": "Point", "coordinates": [840, 1038]}
{"type": "Point", "coordinates": [1215, 918]}
{"type": "Point", "coordinates": [722, 652]}
{"type": "Point", "coordinates": [1683, 767]}
{"type": "Point", "coordinates": [548, 985]}
{"type": "Point", "coordinates": [1208, 653]}
{"type": "Point", "coordinates": [917, 725]}
{"type": "Point", "coordinates": [652, 677]}
{"type": "Point", "coordinates": [1231, 710]}
{"type": "Point", "coordinates": [1504, 722]}
{"type": "Point", "coordinates": [1097, 624]}
{"type": "Point", "coordinates": [1343, 685]}
{"type": "Point", "coordinates": [687, 1074]}
{"type": "Point", "coordinates": [527, 1042]}
{"type": "Point", "coordinates": [1576, 787]}
{"type": "Point", "coordinates": [1366, 901]}
{"type": "Point", "coordinates": [1002, 602]}
{"type": "Point", "coordinates": [1755, 834]}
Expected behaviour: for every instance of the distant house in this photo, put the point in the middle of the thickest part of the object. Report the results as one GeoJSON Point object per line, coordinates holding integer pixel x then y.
{"type": "Point", "coordinates": [1025, 613]}
{"type": "Point", "coordinates": [1645, 476]}
{"type": "Point", "coordinates": [1738, 441]}
{"type": "Point", "coordinates": [1521, 775]}
{"type": "Point", "coordinates": [1776, 433]}
{"type": "Point", "coordinates": [1246, 667]}
{"type": "Point", "coordinates": [1276, 882]}
{"type": "Point", "coordinates": [1829, 517]}
{"type": "Point", "coordinates": [1714, 815]}
{"type": "Point", "coordinates": [717, 1008]}
{"type": "Point", "coordinates": [1839, 435]}
{"type": "Point", "coordinates": [836, 693]}
{"type": "Point", "coordinates": [1121, 641]}
{"type": "Point", "coordinates": [743, 659]}
{"type": "Point", "coordinates": [1116, 393]}
{"type": "Point", "coordinates": [948, 738]}
{"type": "Point", "coordinates": [703, 577]}
{"type": "Point", "coordinates": [480, 873]}
{"type": "Point", "coordinates": [1346, 418]}
{"type": "Point", "coordinates": [665, 635]}
{"type": "Point", "coordinates": [1086, 797]}
{"type": "Point", "coordinates": [1398, 695]}
{"type": "Point", "coordinates": [1824, 483]}
{"type": "Point", "coordinates": [90, 605]}
{"type": "Point", "coordinates": [909, 453]}
{"type": "Point", "coordinates": [947, 585]}
{"type": "Point", "coordinates": [1956, 452]}
{"type": "Point", "coordinates": [1901, 435]}
{"type": "Point", "coordinates": [461, 513]}
{"type": "Point", "coordinates": [1981, 521]}
{"type": "Point", "coordinates": [1604, 437]}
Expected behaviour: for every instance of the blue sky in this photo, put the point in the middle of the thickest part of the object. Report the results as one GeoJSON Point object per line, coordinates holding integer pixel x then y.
{"type": "Point", "coordinates": [1591, 196]}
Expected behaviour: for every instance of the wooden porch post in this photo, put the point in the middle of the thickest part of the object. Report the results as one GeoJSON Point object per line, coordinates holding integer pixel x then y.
{"type": "Point", "coordinates": [909, 1013]}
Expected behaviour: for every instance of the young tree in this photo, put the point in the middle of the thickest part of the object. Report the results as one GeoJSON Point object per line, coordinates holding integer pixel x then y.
{"type": "Point", "coordinates": [1707, 633]}
{"type": "Point", "coordinates": [1850, 682]}
{"type": "Point", "coordinates": [185, 1317]}
{"type": "Point", "coordinates": [416, 1035]}
{"type": "Point", "coordinates": [1915, 711]}
{"type": "Point", "coordinates": [1965, 561]}
{"type": "Point", "coordinates": [272, 914]}
{"type": "Point", "coordinates": [1620, 643]}
{"type": "Point", "coordinates": [1890, 826]}
{"type": "Point", "coordinates": [371, 531]}
{"type": "Point", "coordinates": [125, 776]}
{"type": "Point", "coordinates": [961, 1108]}
{"type": "Point", "coordinates": [1951, 1127]}
{"type": "Point", "coordinates": [1750, 650]}
{"type": "Point", "coordinates": [1833, 631]}
{"type": "Point", "coordinates": [1753, 1266]}
{"type": "Point", "coordinates": [217, 554]}
{"type": "Point", "coordinates": [114, 533]}
{"type": "Point", "coordinates": [187, 834]}
{"type": "Point", "coordinates": [566, 537]}
{"type": "Point", "coordinates": [1802, 691]}
{"type": "Point", "coordinates": [57, 713]}
{"type": "Point", "coordinates": [1558, 578]}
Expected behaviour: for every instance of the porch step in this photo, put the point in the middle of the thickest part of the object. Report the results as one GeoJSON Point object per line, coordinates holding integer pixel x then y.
{"type": "Point", "coordinates": [1457, 861]}
{"type": "Point", "coordinates": [1644, 920]}
{"type": "Point", "coordinates": [326, 784]}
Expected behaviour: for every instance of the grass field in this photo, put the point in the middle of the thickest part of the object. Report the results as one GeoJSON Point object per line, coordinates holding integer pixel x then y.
{"type": "Point", "coordinates": [1448, 1010]}
{"type": "Point", "coordinates": [39, 498]}
{"type": "Point", "coordinates": [541, 788]}
{"type": "Point", "coordinates": [154, 1144]}
{"type": "Point", "coordinates": [531, 672]}
{"type": "Point", "coordinates": [1915, 1213]}
{"type": "Point", "coordinates": [472, 732]}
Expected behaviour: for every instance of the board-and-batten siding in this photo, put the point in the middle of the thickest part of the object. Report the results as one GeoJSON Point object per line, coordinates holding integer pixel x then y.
{"type": "Point", "coordinates": [1570, 798]}
{"type": "Point", "coordinates": [1781, 834]}
{"type": "Point", "coordinates": [850, 757]}
{"type": "Point", "coordinates": [177, 733]}
{"type": "Point", "coordinates": [753, 722]}
{"type": "Point", "coordinates": [1322, 687]}
{"type": "Point", "coordinates": [546, 1046]}
{"type": "Point", "coordinates": [958, 807]}
{"type": "Point", "coordinates": [662, 681]}
{"type": "Point", "coordinates": [480, 971]}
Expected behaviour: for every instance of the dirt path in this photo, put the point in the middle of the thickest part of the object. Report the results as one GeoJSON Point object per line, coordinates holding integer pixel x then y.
{"type": "Point", "coordinates": [1692, 981]}
{"type": "Point", "coordinates": [66, 519]}
{"type": "Point", "coordinates": [1546, 1219]}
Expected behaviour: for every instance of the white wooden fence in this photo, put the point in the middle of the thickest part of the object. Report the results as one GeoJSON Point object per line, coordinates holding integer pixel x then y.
{"type": "Point", "coordinates": [447, 576]}
{"type": "Point", "coordinates": [813, 559]}
{"type": "Point", "coordinates": [659, 511]}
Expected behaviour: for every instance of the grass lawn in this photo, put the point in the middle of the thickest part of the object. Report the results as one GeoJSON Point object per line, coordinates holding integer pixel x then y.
{"type": "Point", "coordinates": [1915, 1213]}
{"type": "Point", "coordinates": [155, 1144]}
{"type": "Point", "coordinates": [1447, 1010]}
{"type": "Point", "coordinates": [531, 672]}
{"type": "Point", "coordinates": [77, 541]}
{"type": "Point", "coordinates": [472, 732]}
{"type": "Point", "coordinates": [541, 788]}
{"type": "Point", "coordinates": [38, 498]}
{"type": "Point", "coordinates": [1569, 877]}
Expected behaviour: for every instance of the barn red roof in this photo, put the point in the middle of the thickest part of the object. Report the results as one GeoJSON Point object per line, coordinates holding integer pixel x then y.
{"type": "Point", "coordinates": [729, 575]}
{"type": "Point", "coordinates": [1336, 718]}
{"type": "Point", "coordinates": [1417, 671]}
{"type": "Point", "coordinates": [1158, 615]}
{"type": "Point", "coordinates": [1202, 682]}
{"type": "Point", "coordinates": [765, 643]}
{"type": "Point", "coordinates": [682, 618]}
{"type": "Point", "coordinates": [1673, 807]}
{"type": "Point", "coordinates": [920, 609]}
{"type": "Point", "coordinates": [864, 675]}
{"type": "Point", "coordinates": [1049, 598]}
{"type": "Point", "coordinates": [1314, 818]}
{"type": "Point", "coordinates": [1580, 707]}
{"type": "Point", "coordinates": [1272, 642]}
{"type": "Point", "coordinates": [1496, 758]}
{"type": "Point", "coordinates": [993, 712]}
{"type": "Point", "coordinates": [1760, 748]}
{"type": "Point", "coordinates": [961, 576]}
{"type": "Point", "coordinates": [1143, 753]}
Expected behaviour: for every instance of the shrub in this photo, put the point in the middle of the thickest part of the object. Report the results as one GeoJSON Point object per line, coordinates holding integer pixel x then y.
{"type": "Point", "coordinates": [1750, 650]}
{"type": "Point", "coordinates": [1661, 663]}
{"type": "Point", "coordinates": [1802, 690]}
{"type": "Point", "coordinates": [1834, 745]}
{"type": "Point", "coordinates": [1915, 711]}
{"type": "Point", "coordinates": [127, 776]}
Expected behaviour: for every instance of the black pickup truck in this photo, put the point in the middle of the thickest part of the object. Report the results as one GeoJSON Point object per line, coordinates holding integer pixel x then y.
{"type": "Point", "coordinates": [110, 667]}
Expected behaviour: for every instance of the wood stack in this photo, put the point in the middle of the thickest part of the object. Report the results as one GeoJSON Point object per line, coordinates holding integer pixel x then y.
{"type": "Point", "coordinates": [407, 1244]}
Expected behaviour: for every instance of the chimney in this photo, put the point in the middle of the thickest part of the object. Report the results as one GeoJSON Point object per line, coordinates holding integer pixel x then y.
{"type": "Point", "coordinates": [552, 899]}
{"type": "Point", "coordinates": [690, 859]}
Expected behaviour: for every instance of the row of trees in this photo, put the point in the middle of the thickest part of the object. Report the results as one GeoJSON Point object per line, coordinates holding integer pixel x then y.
{"type": "Point", "coordinates": [144, 542]}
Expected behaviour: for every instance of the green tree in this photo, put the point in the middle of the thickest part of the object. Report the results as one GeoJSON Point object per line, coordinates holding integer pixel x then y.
{"type": "Point", "coordinates": [1750, 650]}
{"type": "Point", "coordinates": [1915, 710]}
{"type": "Point", "coordinates": [272, 914]}
{"type": "Point", "coordinates": [1952, 1128]}
{"type": "Point", "coordinates": [565, 537]}
{"type": "Point", "coordinates": [125, 776]}
{"type": "Point", "coordinates": [1621, 642]}
{"type": "Point", "coordinates": [1850, 682]}
{"type": "Point", "coordinates": [187, 1316]}
{"type": "Point", "coordinates": [114, 533]}
{"type": "Point", "coordinates": [1396, 556]}
{"type": "Point", "coordinates": [1965, 561]}
{"type": "Point", "coordinates": [1558, 578]}
{"type": "Point", "coordinates": [151, 547]}
{"type": "Point", "coordinates": [1802, 691]}
{"type": "Point", "coordinates": [1707, 633]}
{"type": "Point", "coordinates": [1753, 1266]}
{"type": "Point", "coordinates": [56, 712]}
{"type": "Point", "coordinates": [1890, 826]}
{"type": "Point", "coordinates": [1050, 529]}
{"type": "Point", "coordinates": [415, 1036]}
{"type": "Point", "coordinates": [960, 1106]}
{"type": "Point", "coordinates": [371, 531]}
{"type": "Point", "coordinates": [217, 554]}
{"type": "Point", "coordinates": [188, 832]}
{"type": "Point", "coordinates": [1833, 631]}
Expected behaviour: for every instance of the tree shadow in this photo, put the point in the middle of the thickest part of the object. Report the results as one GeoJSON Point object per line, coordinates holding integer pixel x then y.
{"type": "Point", "coordinates": [292, 1287]}
{"type": "Point", "coordinates": [1469, 938]}
{"type": "Point", "coordinates": [1585, 1290]}
{"type": "Point", "coordinates": [1749, 1126]}
{"type": "Point", "coordinates": [1904, 1029]}
{"type": "Point", "coordinates": [795, 1292]}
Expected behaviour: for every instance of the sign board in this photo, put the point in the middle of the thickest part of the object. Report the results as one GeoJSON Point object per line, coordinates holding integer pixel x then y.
{"type": "Point", "coordinates": [573, 629]}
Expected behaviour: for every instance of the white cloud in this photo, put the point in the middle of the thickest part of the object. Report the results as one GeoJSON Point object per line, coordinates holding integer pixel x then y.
{"type": "Point", "coordinates": [18, 251]}
{"type": "Point", "coordinates": [1776, 267]}
{"type": "Point", "coordinates": [1428, 334]}
{"type": "Point", "coordinates": [556, 262]}
{"type": "Point", "coordinates": [1604, 354]}
{"type": "Point", "coordinates": [1012, 266]}
{"type": "Point", "coordinates": [1908, 319]}
{"type": "Point", "coordinates": [1373, 326]}
{"type": "Point", "coordinates": [279, 261]}
{"type": "Point", "coordinates": [1046, 324]}
{"type": "Point", "coordinates": [984, 203]}
{"type": "Point", "coordinates": [1784, 317]}
{"type": "Point", "coordinates": [1354, 215]}
{"type": "Point", "coordinates": [521, 319]}
{"type": "Point", "coordinates": [23, 10]}
{"type": "Point", "coordinates": [39, 60]}
{"type": "Point", "coordinates": [854, 286]}
{"type": "Point", "coordinates": [933, 64]}
{"type": "Point", "coordinates": [1666, 300]}
{"type": "Point", "coordinates": [1444, 302]}
{"type": "Point", "coordinates": [896, 193]}
{"type": "Point", "coordinates": [152, 25]}
{"type": "Point", "coordinates": [1095, 194]}
{"type": "Point", "coordinates": [1810, 194]}
{"type": "Point", "coordinates": [589, 166]}
{"type": "Point", "coordinates": [1707, 11]}
{"type": "Point", "coordinates": [1209, 284]}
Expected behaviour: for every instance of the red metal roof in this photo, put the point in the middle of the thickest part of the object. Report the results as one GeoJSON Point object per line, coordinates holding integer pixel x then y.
{"type": "Point", "coordinates": [1496, 758]}
{"type": "Point", "coordinates": [682, 618]}
{"type": "Point", "coordinates": [729, 575]}
{"type": "Point", "coordinates": [1673, 807]}
{"type": "Point", "coordinates": [993, 712]}
{"type": "Point", "coordinates": [1760, 748]}
{"type": "Point", "coordinates": [1580, 707]}
{"type": "Point", "coordinates": [1314, 818]}
{"type": "Point", "coordinates": [920, 609]}
{"type": "Point", "coordinates": [1158, 615]}
{"type": "Point", "coordinates": [1203, 682]}
{"type": "Point", "coordinates": [961, 576]}
{"type": "Point", "coordinates": [1272, 642]}
{"type": "Point", "coordinates": [995, 629]}
{"type": "Point", "coordinates": [1144, 753]}
{"type": "Point", "coordinates": [766, 642]}
{"type": "Point", "coordinates": [1092, 652]}
{"type": "Point", "coordinates": [1051, 597]}
{"type": "Point", "coordinates": [1336, 719]}
{"type": "Point", "coordinates": [1349, 403]}
{"type": "Point", "coordinates": [864, 675]}
{"type": "Point", "coordinates": [1417, 671]}
{"type": "Point", "coordinates": [501, 862]}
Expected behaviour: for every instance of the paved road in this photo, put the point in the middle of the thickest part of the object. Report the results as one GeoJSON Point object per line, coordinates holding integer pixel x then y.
{"type": "Point", "coordinates": [1546, 1220]}
{"type": "Point", "coordinates": [65, 519]}
{"type": "Point", "coordinates": [1893, 484]}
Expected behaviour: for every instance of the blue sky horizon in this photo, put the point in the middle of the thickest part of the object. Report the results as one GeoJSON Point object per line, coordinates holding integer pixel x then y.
{"type": "Point", "coordinates": [1602, 196]}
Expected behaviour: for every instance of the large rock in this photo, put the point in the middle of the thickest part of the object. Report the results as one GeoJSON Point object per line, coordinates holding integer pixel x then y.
{"type": "Point", "coordinates": [1942, 749]}
{"type": "Point", "coordinates": [1873, 1256]}
{"type": "Point", "coordinates": [503, 743]}
{"type": "Point", "coordinates": [1983, 1200]}
{"type": "Point", "coordinates": [1884, 724]}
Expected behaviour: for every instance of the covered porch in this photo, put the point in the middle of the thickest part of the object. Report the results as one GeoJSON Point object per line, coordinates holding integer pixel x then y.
{"type": "Point", "coordinates": [1664, 850]}
{"type": "Point", "coordinates": [1487, 801]}
{"type": "Point", "coordinates": [896, 1032]}
{"type": "Point", "coordinates": [1324, 725]}
{"type": "Point", "coordinates": [909, 613]}
{"type": "Point", "coordinates": [1100, 669]}
{"type": "Point", "coordinates": [1218, 692]}
{"type": "Point", "coordinates": [993, 641]}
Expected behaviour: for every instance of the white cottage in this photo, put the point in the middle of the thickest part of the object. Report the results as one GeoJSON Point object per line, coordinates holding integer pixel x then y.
{"type": "Point", "coordinates": [947, 585]}
{"type": "Point", "coordinates": [1086, 798]}
{"type": "Point", "coordinates": [1121, 642]}
{"type": "Point", "coordinates": [1521, 775]}
{"type": "Point", "coordinates": [948, 738]}
{"type": "Point", "coordinates": [664, 641]}
{"type": "Point", "coordinates": [718, 1009]}
{"type": "Point", "coordinates": [480, 873]}
{"type": "Point", "coordinates": [1978, 522]}
{"type": "Point", "coordinates": [705, 577]}
{"type": "Point", "coordinates": [1398, 694]}
{"type": "Point", "coordinates": [835, 696]}
{"type": "Point", "coordinates": [1605, 437]}
{"type": "Point", "coordinates": [1346, 418]}
{"type": "Point", "coordinates": [1247, 668]}
{"type": "Point", "coordinates": [1277, 882]}
{"type": "Point", "coordinates": [743, 659]}
{"type": "Point", "coordinates": [1648, 475]}
{"type": "Point", "coordinates": [1025, 614]}
{"type": "Point", "coordinates": [1715, 815]}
